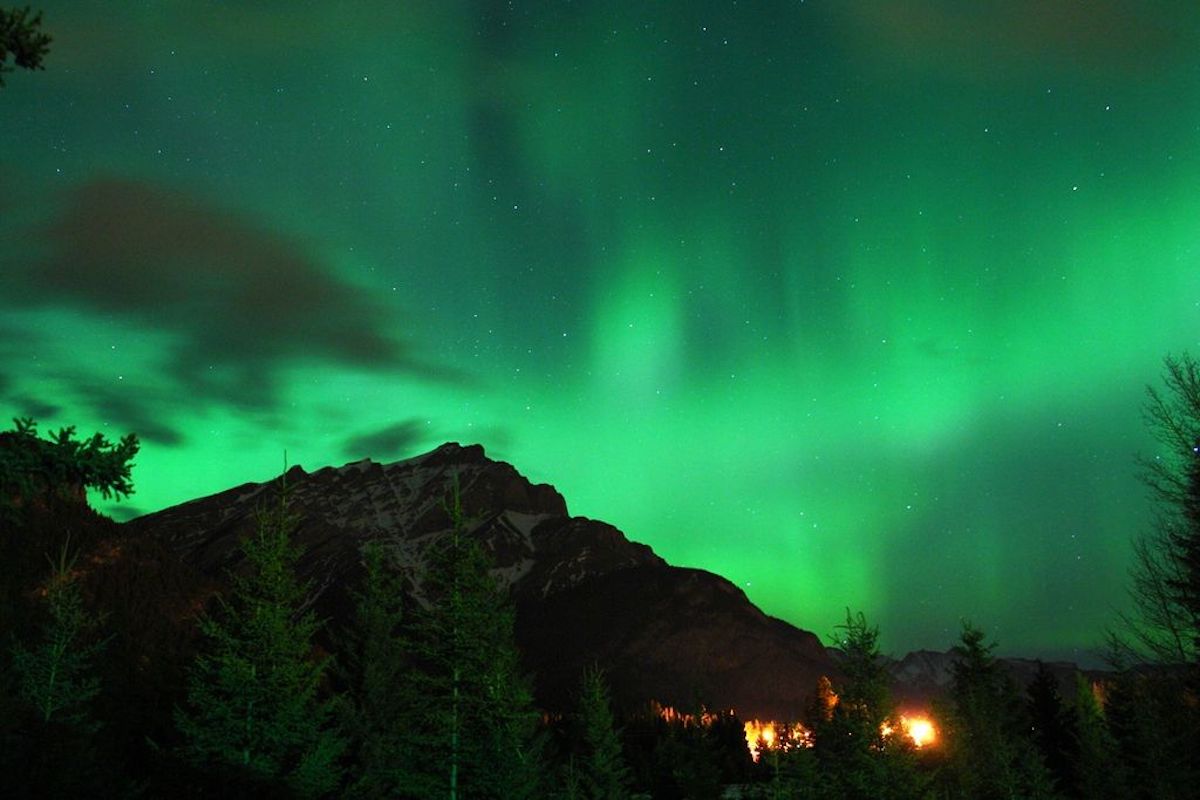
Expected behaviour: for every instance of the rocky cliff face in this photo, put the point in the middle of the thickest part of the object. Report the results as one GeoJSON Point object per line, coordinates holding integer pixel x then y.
{"type": "Point", "coordinates": [584, 593]}
{"type": "Point", "coordinates": [536, 546]}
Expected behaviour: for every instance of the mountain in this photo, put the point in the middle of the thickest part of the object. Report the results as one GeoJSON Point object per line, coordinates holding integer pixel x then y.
{"type": "Point", "coordinates": [584, 593]}
{"type": "Point", "coordinates": [922, 675]}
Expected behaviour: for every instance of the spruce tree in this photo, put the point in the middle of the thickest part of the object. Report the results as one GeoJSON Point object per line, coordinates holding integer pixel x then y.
{"type": "Point", "coordinates": [253, 707]}
{"type": "Point", "coordinates": [48, 473]}
{"type": "Point", "coordinates": [990, 754]}
{"type": "Point", "coordinates": [51, 737]}
{"type": "Point", "coordinates": [57, 675]}
{"type": "Point", "coordinates": [1153, 729]}
{"type": "Point", "coordinates": [475, 708]}
{"type": "Point", "coordinates": [603, 774]}
{"type": "Point", "coordinates": [856, 739]}
{"type": "Point", "coordinates": [1053, 727]}
{"type": "Point", "coordinates": [376, 711]}
{"type": "Point", "coordinates": [30, 465]}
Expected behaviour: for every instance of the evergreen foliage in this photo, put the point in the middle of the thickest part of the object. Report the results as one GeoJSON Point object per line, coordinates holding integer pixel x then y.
{"type": "Point", "coordinates": [601, 769]}
{"type": "Point", "coordinates": [57, 675]}
{"type": "Point", "coordinates": [792, 769]}
{"type": "Point", "coordinates": [474, 709]}
{"type": "Point", "coordinates": [42, 483]}
{"type": "Point", "coordinates": [991, 756]}
{"type": "Point", "coordinates": [687, 762]}
{"type": "Point", "coordinates": [1054, 732]}
{"type": "Point", "coordinates": [572, 786]}
{"type": "Point", "coordinates": [1154, 727]}
{"type": "Point", "coordinates": [672, 756]}
{"type": "Point", "coordinates": [253, 705]}
{"type": "Point", "coordinates": [436, 704]}
{"type": "Point", "coordinates": [856, 759]}
{"type": "Point", "coordinates": [376, 666]}
{"type": "Point", "coordinates": [30, 464]}
{"type": "Point", "coordinates": [22, 38]}
{"type": "Point", "coordinates": [51, 725]}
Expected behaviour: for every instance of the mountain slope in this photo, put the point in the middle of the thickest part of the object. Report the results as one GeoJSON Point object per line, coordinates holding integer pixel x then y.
{"type": "Point", "coordinates": [584, 593]}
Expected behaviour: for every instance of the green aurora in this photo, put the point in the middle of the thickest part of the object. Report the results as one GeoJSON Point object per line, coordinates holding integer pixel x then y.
{"type": "Point", "coordinates": [853, 303]}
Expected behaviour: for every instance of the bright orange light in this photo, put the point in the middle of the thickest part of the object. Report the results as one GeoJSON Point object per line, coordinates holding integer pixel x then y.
{"type": "Point", "coordinates": [775, 736]}
{"type": "Point", "coordinates": [762, 735]}
{"type": "Point", "coordinates": [755, 731]}
{"type": "Point", "coordinates": [920, 730]}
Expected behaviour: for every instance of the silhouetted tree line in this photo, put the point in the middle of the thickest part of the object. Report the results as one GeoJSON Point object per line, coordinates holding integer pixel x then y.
{"type": "Point", "coordinates": [125, 674]}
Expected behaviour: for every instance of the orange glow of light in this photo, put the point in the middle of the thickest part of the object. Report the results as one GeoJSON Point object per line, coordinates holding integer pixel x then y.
{"type": "Point", "coordinates": [671, 715]}
{"type": "Point", "coordinates": [775, 736]}
{"type": "Point", "coordinates": [756, 731]}
{"type": "Point", "coordinates": [920, 730]}
{"type": "Point", "coordinates": [770, 735]}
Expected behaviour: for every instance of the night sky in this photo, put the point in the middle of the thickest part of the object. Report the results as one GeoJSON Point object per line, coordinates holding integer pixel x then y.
{"type": "Point", "coordinates": [853, 303]}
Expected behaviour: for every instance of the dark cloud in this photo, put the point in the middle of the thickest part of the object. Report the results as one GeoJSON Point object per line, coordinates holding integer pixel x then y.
{"type": "Point", "coordinates": [241, 297]}
{"type": "Point", "coordinates": [239, 303]}
{"type": "Point", "coordinates": [26, 406]}
{"type": "Point", "coordinates": [131, 412]}
{"type": "Point", "coordinates": [997, 40]}
{"type": "Point", "coordinates": [395, 440]}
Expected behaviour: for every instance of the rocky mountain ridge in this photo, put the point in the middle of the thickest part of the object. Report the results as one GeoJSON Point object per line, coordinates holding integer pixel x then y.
{"type": "Point", "coordinates": [584, 593]}
{"type": "Point", "coordinates": [536, 546]}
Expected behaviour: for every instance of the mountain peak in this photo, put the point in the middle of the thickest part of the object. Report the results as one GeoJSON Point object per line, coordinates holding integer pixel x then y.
{"type": "Point", "coordinates": [400, 503]}
{"type": "Point", "coordinates": [455, 453]}
{"type": "Point", "coordinates": [584, 592]}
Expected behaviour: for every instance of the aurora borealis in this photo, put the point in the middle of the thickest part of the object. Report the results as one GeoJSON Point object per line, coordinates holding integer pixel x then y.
{"type": "Point", "coordinates": [851, 303]}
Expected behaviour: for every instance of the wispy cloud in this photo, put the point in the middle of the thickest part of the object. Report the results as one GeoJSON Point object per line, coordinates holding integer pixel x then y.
{"type": "Point", "coordinates": [237, 304]}
{"type": "Point", "coordinates": [394, 440]}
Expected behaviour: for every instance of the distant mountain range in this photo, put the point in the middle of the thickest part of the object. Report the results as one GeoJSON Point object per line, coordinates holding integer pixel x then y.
{"type": "Point", "coordinates": [584, 593]}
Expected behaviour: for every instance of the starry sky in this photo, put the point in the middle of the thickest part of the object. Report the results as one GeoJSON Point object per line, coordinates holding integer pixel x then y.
{"type": "Point", "coordinates": [852, 303]}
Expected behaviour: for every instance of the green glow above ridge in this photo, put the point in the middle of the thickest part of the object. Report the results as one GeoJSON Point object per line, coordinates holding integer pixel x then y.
{"type": "Point", "coordinates": [854, 305]}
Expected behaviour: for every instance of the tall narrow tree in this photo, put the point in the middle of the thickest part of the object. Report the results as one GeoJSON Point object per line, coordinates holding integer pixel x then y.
{"type": "Point", "coordinates": [56, 676]}
{"type": "Point", "coordinates": [855, 739]}
{"type": "Point", "coordinates": [376, 711]}
{"type": "Point", "coordinates": [991, 756]}
{"type": "Point", "coordinates": [253, 705]}
{"type": "Point", "coordinates": [54, 745]}
{"type": "Point", "coordinates": [476, 712]}
{"type": "Point", "coordinates": [1053, 729]}
{"type": "Point", "coordinates": [603, 774]}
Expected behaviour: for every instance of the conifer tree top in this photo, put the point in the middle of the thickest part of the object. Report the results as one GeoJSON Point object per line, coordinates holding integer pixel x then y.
{"type": "Point", "coordinates": [32, 465]}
